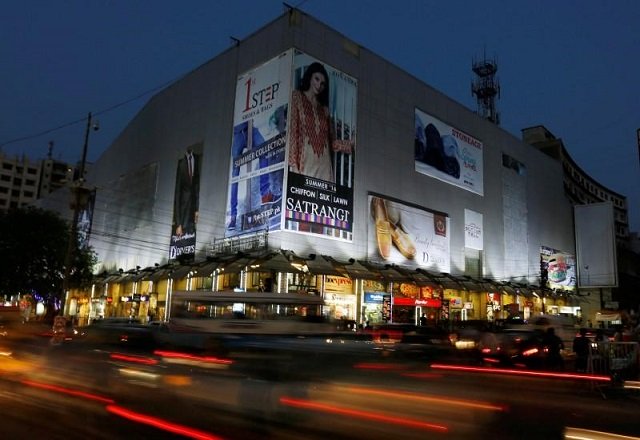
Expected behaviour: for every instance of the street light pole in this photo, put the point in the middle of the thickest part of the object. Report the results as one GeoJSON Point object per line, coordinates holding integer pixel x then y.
{"type": "Point", "coordinates": [79, 198]}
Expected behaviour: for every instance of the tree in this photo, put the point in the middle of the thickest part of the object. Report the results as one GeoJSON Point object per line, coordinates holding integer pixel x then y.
{"type": "Point", "coordinates": [33, 248]}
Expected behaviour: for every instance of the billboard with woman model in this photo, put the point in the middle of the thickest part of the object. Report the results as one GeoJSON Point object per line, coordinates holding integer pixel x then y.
{"type": "Point", "coordinates": [322, 141]}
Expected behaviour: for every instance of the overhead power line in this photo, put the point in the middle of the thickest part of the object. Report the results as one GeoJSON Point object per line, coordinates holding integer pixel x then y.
{"type": "Point", "coordinates": [83, 119]}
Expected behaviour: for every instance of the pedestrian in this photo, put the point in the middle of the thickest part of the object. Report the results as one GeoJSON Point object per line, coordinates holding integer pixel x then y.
{"type": "Point", "coordinates": [423, 320]}
{"type": "Point", "coordinates": [600, 336]}
{"type": "Point", "coordinates": [553, 346]}
{"type": "Point", "coordinates": [581, 345]}
{"type": "Point", "coordinates": [617, 336]}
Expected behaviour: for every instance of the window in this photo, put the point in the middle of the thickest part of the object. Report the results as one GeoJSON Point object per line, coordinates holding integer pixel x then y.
{"type": "Point", "coordinates": [7, 166]}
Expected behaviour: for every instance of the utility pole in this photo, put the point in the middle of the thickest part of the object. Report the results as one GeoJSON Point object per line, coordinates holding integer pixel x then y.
{"type": "Point", "coordinates": [79, 198]}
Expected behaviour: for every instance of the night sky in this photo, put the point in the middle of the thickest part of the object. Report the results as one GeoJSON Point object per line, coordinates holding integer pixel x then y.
{"type": "Point", "coordinates": [573, 66]}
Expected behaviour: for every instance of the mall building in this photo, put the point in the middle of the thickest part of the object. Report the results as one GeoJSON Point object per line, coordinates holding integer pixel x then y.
{"type": "Point", "coordinates": [298, 160]}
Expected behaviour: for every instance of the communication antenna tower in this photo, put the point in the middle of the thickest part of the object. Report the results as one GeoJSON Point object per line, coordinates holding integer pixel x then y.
{"type": "Point", "coordinates": [485, 87]}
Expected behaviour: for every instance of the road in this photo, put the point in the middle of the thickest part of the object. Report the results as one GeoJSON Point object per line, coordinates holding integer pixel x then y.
{"type": "Point", "coordinates": [293, 388]}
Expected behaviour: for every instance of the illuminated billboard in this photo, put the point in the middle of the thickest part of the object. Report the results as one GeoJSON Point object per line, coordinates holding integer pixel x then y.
{"type": "Point", "coordinates": [407, 235]}
{"type": "Point", "coordinates": [258, 147]}
{"type": "Point", "coordinates": [321, 147]}
{"type": "Point", "coordinates": [447, 154]}
{"type": "Point", "coordinates": [560, 267]}
{"type": "Point", "coordinates": [186, 203]}
{"type": "Point", "coordinates": [85, 219]}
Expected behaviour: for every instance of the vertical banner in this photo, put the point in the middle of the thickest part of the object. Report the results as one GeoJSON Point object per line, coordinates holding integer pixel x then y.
{"type": "Point", "coordinates": [258, 148]}
{"type": "Point", "coordinates": [407, 236]}
{"type": "Point", "coordinates": [447, 154]}
{"type": "Point", "coordinates": [322, 141]}
{"type": "Point", "coordinates": [85, 220]}
{"type": "Point", "coordinates": [473, 238]}
{"type": "Point", "coordinates": [185, 203]}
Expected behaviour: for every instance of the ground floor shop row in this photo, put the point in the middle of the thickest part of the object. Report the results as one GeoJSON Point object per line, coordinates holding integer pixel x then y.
{"type": "Point", "coordinates": [369, 299]}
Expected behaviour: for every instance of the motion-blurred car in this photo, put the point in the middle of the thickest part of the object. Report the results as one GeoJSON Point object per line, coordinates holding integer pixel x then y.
{"type": "Point", "coordinates": [521, 348]}
{"type": "Point", "coordinates": [412, 341]}
{"type": "Point", "coordinates": [466, 335]}
{"type": "Point", "coordinates": [121, 332]}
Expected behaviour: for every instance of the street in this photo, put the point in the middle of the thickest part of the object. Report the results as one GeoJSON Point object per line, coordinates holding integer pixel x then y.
{"type": "Point", "coordinates": [304, 389]}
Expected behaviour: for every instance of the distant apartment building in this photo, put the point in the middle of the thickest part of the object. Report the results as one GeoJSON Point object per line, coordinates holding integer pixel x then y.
{"type": "Point", "coordinates": [579, 187]}
{"type": "Point", "coordinates": [23, 181]}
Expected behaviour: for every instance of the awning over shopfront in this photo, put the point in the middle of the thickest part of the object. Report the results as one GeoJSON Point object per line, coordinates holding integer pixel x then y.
{"type": "Point", "coordinates": [236, 263]}
{"type": "Point", "coordinates": [180, 272]}
{"type": "Point", "coordinates": [448, 281]}
{"type": "Point", "coordinates": [356, 269]}
{"type": "Point", "coordinates": [158, 274]}
{"type": "Point", "coordinates": [424, 278]}
{"type": "Point", "coordinates": [395, 274]}
{"type": "Point", "coordinates": [277, 262]}
{"type": "Point", "coordinates": [205, 269]}
{"type": "Point", "coordinates": [321, 265]}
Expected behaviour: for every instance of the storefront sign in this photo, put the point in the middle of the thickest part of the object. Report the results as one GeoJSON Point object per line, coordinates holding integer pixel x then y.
{"type": "Point", "coordinates": [386, 308]}
{"type": "Point", "coordinates": [374, 298]}
{"type": "Point", "coordinates": [338, 284]}
{"type": "Point", "coordinates": [372, 286]}
{"type": "Point", "coordinates": [408, 289]}
{"type": "Point", "coordinates": [427, 302]}
{"type": "Point", "coordinates": [337, 298]}
{"type": "Point", "coordinates": [455, 302]}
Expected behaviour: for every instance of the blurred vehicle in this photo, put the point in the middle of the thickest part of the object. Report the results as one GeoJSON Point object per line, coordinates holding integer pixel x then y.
{"type": "Point", "coordinates": [410, 340]}
{"type": "Point", "coordinates": [346, 325]}
{"type": "Point", "coordinates": [248, 313]}
{"type": "Point", "coordinates": [523, 348]}
{"type": "Point", "coordinates": [565, 327]}
{"type": "Point", "coordinates": [592, 333]}
{"type": "Point", "coordinates": [59, 331]}
{"type": "Point", "coordinates": [466, 335]}
{"type": "Point", "coordinates": [120, 332]}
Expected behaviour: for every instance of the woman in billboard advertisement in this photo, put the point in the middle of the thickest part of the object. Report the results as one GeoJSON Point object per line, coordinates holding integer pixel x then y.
{"type": "Point", "coordinates": [312, 135]}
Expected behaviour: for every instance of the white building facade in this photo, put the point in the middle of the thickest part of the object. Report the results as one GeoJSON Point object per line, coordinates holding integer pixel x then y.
{"type": "Point", "coordinates": [417, 182]}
